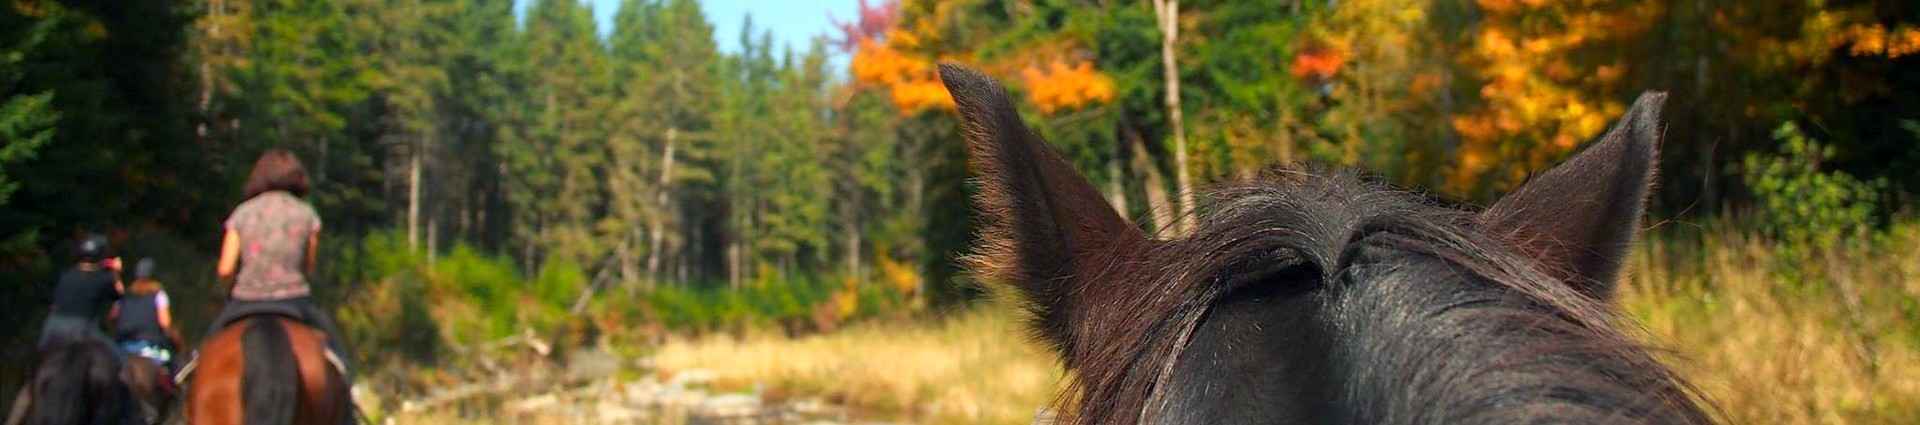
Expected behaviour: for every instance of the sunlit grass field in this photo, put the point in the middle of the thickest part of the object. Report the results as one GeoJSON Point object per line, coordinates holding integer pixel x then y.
{"type": "Point", "coordinates": [1762, 348]}
{"type": "Point", "coordinates": [975, 367]}
{"type": "Point", "coordinates": [1772, 350]}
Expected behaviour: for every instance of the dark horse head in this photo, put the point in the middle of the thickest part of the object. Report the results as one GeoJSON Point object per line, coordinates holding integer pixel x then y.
{"type": "Point", "coordinates": [1321, 298]}
{"type": "Point", "coordinates": [77, 382]}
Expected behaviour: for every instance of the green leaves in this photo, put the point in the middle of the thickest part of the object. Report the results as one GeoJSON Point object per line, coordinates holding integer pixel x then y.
{"type": "Point", "coordinates": [26, 123]}
{"type": "Point", "coordinates": [1809, 209]}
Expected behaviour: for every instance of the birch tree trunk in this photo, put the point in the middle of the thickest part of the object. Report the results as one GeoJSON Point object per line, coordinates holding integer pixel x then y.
{"type": "Point", "coordinates": [657, 223]}
{"type": "Point", "coordinates": [1160, 208]}
{"type": "Point", "coordinates": [1116, 193]}
{"type": "Point", "coordinates": [1168, 12]}
{"type": "Point", "coordinates": [413, 196]}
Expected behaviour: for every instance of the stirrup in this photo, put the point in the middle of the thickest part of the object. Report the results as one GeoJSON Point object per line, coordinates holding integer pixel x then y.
{"type": "Point", "coordinates": [334, 359]}
{"type": "Point", "coordinates": [186, 371]}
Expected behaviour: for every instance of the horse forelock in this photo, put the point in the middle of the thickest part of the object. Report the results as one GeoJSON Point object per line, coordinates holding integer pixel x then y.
{"type": "Point", "coordinates": [1325, 222]}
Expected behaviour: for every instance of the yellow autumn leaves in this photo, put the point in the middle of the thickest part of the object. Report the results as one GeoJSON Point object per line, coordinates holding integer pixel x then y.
{"type": "Point", "coordinates": [1878, 40]}
{"type": "Point", "coordinates": [1539, 104]}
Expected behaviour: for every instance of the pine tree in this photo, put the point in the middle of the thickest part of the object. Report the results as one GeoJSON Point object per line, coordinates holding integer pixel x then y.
{"type": "Point", "coordinates": [26, 123]}
{"type": "Point", "coordinates": [554, 158]}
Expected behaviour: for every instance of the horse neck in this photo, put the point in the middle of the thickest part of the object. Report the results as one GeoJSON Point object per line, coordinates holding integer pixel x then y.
{"type": "Point", "coordinates": [1508, 365]}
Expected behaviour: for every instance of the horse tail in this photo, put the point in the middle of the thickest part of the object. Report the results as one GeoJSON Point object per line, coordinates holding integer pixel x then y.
{"type": "Point", "coordinates": [271, 383]}
{"type": "Point", "coordinates": [77, 383]}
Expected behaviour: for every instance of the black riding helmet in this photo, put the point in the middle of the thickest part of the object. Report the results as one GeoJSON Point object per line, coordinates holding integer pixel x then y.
{"type": "Point", "coordinates": [91, 248]}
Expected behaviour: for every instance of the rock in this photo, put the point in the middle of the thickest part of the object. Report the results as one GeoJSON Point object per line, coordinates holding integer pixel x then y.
{"type": "Point", "coordinates": [642, 393]}
{"type": "Point", "coordinates": [729, 406]}
{"type": "Point", "coordinates": [692, 378]}
{"type": "Point", "coordinates": [812, 407]}
{"type": "Point", "coordinates": [614, 413]}
{"type": "Point", "coordinates": [531, 404]}
{"type": "Point", "coordinates": [591, 364]}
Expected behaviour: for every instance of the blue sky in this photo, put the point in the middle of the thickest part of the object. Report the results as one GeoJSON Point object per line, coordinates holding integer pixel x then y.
{"type": "Point", "coordinates": [794, 22]}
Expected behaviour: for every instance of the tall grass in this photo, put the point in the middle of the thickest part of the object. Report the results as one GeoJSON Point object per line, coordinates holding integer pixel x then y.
{"type": "Point", "coordinates": [1833, 340]}
{"type": "Point", "coordinates": [1764, 346]}
{"type": "Point", "coordinates": [973, 368]}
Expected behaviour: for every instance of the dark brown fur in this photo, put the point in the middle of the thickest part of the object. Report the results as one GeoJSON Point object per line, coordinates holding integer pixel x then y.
{"type": "Point", "coordinates": [1518, 294]}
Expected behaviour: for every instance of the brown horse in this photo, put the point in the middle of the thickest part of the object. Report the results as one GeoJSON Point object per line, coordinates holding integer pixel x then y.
{"type": "Point", "coordinates": [150, 387]}
{"type": "Point", "coordinates": [1307, 297]}
{"type": "Point", "coordinates": [266, 370]}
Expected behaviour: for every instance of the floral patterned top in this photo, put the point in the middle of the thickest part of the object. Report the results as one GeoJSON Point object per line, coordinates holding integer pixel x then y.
{"type": "Point", "coordinates": [273, 228]}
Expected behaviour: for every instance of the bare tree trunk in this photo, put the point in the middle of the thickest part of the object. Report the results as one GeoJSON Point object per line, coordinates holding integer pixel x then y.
{"type": "Point", "coordinates": [1156, 186]}
{"type": "Point", "coordinates": [853, 253]}
{"type": "Point", "coordinates": [658, 224]}
{"type": "Point", "coordinates": [433, 237]}
{"type": "Point", "coordinates": [1116, 193]}
{"type": "Point", "coordinates": [413, 197]}
{"type": "Point", "coordinates": [733, 264]}
{"type": "Point", "coordinates": [215, 9]}
{"type": "Point", "coordinates": [1168, 12]}
{"type": "Point", "coordinates": [850, 218]}
{"type": "Point", "coordinates": [623, 254]}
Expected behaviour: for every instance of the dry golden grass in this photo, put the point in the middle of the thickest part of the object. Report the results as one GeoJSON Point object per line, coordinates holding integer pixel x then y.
{"type": "Point", "coordinates": [1768, 350]}
{"type": "Point", "coordinates": [1763, 349]}
{"type": "Point", "coordinates": [975, 368]}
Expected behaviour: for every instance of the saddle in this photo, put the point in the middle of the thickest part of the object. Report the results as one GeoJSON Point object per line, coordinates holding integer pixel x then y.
{"type": "Point", "coordinates": [244, 312]}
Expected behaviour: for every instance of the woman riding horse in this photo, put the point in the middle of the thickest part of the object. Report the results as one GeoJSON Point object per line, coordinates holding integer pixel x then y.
{"type": "Point", "coordinates": [262, 363]}
{"type": "Point", "coordinates": [271, 245]}
{"type": "Point", "coordinates": [143, 327]}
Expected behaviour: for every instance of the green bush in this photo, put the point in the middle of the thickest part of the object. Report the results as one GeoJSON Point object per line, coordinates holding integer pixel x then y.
{"type": "Point", "coordinates": [1806, 209]}
{"type": "Point", "coordinates": [792, 305]}
{"type": "Point", "coordinates": [408, 303]}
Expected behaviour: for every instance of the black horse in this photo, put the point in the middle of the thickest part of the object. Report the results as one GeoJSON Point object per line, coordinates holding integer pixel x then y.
{"type": "Point", "coordinates": [1311, 297]}
{"type": "Point", "coordinates": [78, 382]}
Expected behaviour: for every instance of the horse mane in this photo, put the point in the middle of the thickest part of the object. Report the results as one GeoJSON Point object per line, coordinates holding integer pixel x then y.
{"type": "Point", "coordinates": [1539, 348]}
{"type": "Point", "coordinates": [77, 382]}
{"type": "Point", "coordinates": [271, 381]}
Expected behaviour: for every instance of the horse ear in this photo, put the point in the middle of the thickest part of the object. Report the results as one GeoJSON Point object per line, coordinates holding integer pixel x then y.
{"type": "Point", "coordinates": [1046, 231]}
{"type": "Point", "coordinates": [1580, 218]}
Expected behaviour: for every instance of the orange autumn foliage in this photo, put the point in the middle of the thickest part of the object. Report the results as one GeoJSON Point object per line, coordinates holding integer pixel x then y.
{"type": "Point", "coordinates": [1539, 102]}
{"type": "Point", "coordinates": [914, 86]}
{"type": "Point", "coordinates": [1059, 86]}
{"type": "Point", "coordinates": [911, 80]}
{"type": "Point", "coordinates": [1877, 40]}
{"type": "Point", "coordinates": [1318, 63]}
{"type": "Point", "coordinates": [900, 59]}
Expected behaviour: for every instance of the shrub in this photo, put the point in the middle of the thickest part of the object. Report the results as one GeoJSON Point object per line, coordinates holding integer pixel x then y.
{"type": "Point", "coordinates": [402, 301]}
{"type": "Point", "coordinates": [1806, 209]}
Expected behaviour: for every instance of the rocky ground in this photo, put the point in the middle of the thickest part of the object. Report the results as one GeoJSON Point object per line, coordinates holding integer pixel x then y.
{"type": "Point", "coordinates": [597, 395]}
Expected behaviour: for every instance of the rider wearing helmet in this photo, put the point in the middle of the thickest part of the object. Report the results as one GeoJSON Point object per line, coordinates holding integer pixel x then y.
{"type": "Point", "coordinates": [143, 320]}
{"type": "Point", "coordinates": [83, 295]}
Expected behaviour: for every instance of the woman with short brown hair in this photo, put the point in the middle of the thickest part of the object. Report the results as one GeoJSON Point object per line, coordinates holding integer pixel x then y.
{"type": "Point", "coordinates": [270, 248]}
